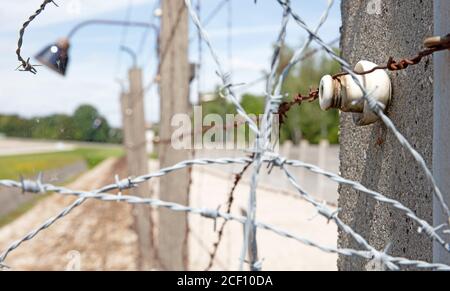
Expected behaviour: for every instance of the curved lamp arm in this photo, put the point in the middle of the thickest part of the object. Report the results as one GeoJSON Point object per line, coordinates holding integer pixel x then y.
{"type": "Point", "coordinates": [56, 55]}
{"type": "Point", "coordinates": [131, 53]}
{"type": "Point", "coordinates": [110, 22]}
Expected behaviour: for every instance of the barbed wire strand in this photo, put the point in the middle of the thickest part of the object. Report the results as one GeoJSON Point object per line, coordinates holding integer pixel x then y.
{"type": "Point", "coordinates": [332, 215]}
{"type": "Point", "coordinates": [38, 187]}
{"type": "Point", "coordinates": [25, 64]}
{"type": "Point", "coordinates": [215, 214]}
{"type": "Point", "coordinates": [262, 145]}
{"type": "Point", "coordinates": [373, 105]}
{"type": "Point", "coordinates": [403, 64]}
{"type": "Point", "coordinates": [123, 38]}
{"type": "Point", "coordinates": [237, 179]}
{"type": "Point", "coordinates": [206, 213]}
{"type": "Point", "coordinates": [227, 88]}
{"type": "Point", "coordinates": [225, 77]}
{"type": "Point", "coordinates": [425, 227]}
{"type": "Point", "coordinates": [250, 228]}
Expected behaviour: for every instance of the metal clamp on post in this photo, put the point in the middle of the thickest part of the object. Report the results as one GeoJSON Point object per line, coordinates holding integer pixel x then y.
{"type": "Point", "coordinates": [438, 42]}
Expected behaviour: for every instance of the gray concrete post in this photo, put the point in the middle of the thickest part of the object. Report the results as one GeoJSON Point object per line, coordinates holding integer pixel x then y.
{"type": "Point", "coordinates": [137, 163]}
{"type": "Point", "coordinates": [374, 30]}
{"type": "Point", "coordinates": [174, 92]}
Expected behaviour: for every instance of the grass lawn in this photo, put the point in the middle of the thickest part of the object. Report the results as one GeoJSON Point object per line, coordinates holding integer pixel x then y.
{"type": "Point", "coordinates": [11, 167]}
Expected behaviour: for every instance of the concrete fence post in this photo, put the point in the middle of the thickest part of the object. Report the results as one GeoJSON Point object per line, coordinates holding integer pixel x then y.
{"type": "Point", "coordinates": [174, 92]}
{"type": "Point", "coordinates": [376, 31]}
{"type": "Point", "coordinates": [137, 163]}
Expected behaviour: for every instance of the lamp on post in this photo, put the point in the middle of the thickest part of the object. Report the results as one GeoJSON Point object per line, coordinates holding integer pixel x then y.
{"type": "Point", "coordinates": [56, 55]}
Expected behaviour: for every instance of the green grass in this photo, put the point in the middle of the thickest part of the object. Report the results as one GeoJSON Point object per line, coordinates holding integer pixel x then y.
{"type": "Point", "coordinates": [94, 156]}
{"type": "Point", "coordinates": [11, 167]}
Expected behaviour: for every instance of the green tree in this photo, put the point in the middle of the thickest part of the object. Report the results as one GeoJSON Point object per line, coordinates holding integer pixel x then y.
{"type": "Point", "coordinates": [57, 126]}
{"type": "Point", "coordinates": [85, 125]}
{"type": "Point", "coordinates": [308, 121]}
{"type": "Point", "coordinates": [89, 125]}
{"type": "Point", "coordinates": [253, 104]}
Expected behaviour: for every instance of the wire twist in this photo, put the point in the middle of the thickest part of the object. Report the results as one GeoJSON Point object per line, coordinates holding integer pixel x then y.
{"type": "Point", "coordinates": [25, 64]}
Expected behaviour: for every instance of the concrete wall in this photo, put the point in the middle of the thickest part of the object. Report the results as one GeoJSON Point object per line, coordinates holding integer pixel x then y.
{"type": "Point", "coordinates": [397, 29]}
{"type": "Point", "coordinates": [324, 155]}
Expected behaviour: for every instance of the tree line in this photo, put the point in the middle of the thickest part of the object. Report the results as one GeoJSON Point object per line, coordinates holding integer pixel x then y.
{"type": "Point", "coordinates": [305, 122]}
{"type": "Point", "coordinates": [85, 124]}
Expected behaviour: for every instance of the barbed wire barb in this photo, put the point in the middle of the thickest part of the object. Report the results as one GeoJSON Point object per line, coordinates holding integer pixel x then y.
{"type": "Point", "coordinates": [26, 66]}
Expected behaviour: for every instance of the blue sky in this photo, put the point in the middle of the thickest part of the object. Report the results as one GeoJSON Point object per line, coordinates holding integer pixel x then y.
{"type": "Point", "coordinates": [96, 62]}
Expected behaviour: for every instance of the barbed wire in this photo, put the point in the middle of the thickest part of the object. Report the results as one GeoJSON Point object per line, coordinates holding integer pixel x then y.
{"type": "Point", "coordinates": [237, 179]}
{"type": "Point", "coordinates": [128, 183]}
{"type": "Point", "coordinates": [262, 144]}
{"type": "Point", "coordinates": [332, 215]}
{"type": "Point", "coordinates": [25, 64]}
{"type": "Point", "coordinates": [392, 65]}
{"type": "Point", "coordinates": [263, 154]}
{"type": "Point", "coordinates": [204, 212]}
{"type": "Point", "coordinates": [374, 106]}
{"type": "Point", "coordinates": [250, 242]}
{"type": "Point", "coordinates": [227, 87]}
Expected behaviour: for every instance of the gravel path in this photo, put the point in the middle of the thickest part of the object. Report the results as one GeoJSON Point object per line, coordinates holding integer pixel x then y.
{"type": "Point", "coordinates": [9, 146]}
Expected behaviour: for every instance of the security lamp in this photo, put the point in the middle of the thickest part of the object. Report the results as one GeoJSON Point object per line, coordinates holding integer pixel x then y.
{"type": "Point", "coordinates": [56, 55]}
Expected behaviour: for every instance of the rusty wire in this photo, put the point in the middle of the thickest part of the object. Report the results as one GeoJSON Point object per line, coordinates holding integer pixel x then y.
{"type": "Point", "coordinates": [433, 44]}
{"type": "Point", "coordinates": [25, 64]}
{"type": "Point", "coordinates": [237, 179]}
{"type": "Point", "coordinates": [285, 107]}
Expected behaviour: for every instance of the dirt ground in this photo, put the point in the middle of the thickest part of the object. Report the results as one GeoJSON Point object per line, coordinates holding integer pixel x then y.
{"type": "Point", "coordinates": [100, 236]}
{"type": "Point", "coordinates": [95, 236]}
{"type": "Point", "coordinates": [279, 208]}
